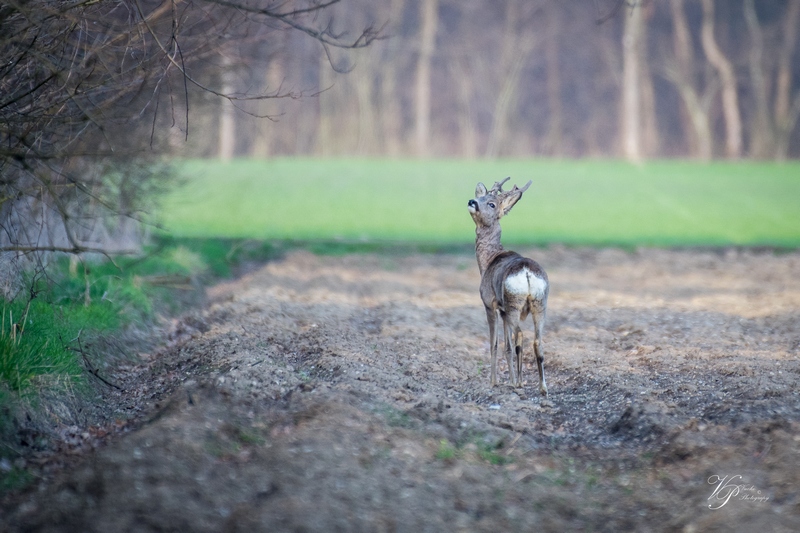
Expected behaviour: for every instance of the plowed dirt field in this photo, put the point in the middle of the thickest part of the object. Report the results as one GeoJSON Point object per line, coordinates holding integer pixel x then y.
{"type": "Point", "coordinates": [352, 394]}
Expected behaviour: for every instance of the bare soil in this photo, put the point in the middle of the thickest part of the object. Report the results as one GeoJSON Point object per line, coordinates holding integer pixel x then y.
{"type": "Point", "coordinates": [352, 394]}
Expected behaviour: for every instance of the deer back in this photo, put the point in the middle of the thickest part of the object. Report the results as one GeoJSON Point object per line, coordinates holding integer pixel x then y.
{"type": "Point", "coordinates": [499, 282]}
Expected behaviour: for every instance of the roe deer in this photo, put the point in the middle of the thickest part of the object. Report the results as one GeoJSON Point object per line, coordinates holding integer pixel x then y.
{"type": "Point", "coordinates": [512, 285]}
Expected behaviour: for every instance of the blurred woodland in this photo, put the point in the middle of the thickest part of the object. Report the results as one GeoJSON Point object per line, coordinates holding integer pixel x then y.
{"type": "Point", "coordinates": [92, 92]}
{"type": "Point", "coordinates": [569, 78]}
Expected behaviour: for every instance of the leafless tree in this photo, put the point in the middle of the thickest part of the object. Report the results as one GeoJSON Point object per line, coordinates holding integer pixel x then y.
{"type": "Point", "coordinates": [429, 17]}
{"type": "Point", "coordinates": [693, 87]}
{"type": "Point", "coordinates": [772, 124]}
{"type": "Point", "coordinates": [92, 90]}
{"type": "Point", "coordinates": [730, 94]}
{"type": "Point", "coordinates": [518, 43]}
{"type": "Point", "coordinates": [631, 84]}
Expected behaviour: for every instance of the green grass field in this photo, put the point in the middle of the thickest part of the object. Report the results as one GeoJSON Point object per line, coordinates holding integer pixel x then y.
{"type": "Point", "coordinates": [662, 203]}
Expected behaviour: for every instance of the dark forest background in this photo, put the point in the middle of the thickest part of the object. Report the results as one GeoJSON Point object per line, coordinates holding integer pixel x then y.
{"type": "Point", "coordinates": [570, 78]}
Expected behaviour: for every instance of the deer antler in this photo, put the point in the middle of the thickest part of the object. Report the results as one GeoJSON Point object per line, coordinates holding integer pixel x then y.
{"type": "Point", "coordinates": [525, 188]}
{"type": "Point", "coordinates": [497, 188]}
{"type": "Point", "coordinates": [516, 190]}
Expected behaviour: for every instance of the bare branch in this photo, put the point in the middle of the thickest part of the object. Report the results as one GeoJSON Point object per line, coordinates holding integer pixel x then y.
{"type": "Point", "coordinates": [88, 364]}
{"type": "Point", "coordinates": [602, 19]}
{"type": "Point", "coordinates": [324, 36]}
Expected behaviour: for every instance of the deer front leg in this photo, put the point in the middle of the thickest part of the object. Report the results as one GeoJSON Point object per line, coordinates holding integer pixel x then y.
{"type": "Point", "coordinates": [491, 318]}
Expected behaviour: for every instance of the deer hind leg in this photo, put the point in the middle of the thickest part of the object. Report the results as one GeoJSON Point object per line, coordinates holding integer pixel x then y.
{"type": "Point", "coordinates": [518, 350]}
{"type": "Point", "coordinates": [494, 337]}
{"type": "Point", "coordinates": [513, 350]}
{"type": "Point", "coordinates": [538, 327]}
{"type": "Point", "coordinates": [518, 340]}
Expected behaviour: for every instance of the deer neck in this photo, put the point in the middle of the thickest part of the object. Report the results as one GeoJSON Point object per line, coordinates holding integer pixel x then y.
{"type": "Point", "coordinates": [487, 245]}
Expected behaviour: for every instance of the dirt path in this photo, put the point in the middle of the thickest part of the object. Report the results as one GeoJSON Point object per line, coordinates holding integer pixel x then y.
{"type": "Point", "coordinates": [351, 394]}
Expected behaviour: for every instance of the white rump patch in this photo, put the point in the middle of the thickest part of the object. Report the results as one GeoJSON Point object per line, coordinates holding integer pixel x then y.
{"type": "Point", "coordinates": [526, 282]}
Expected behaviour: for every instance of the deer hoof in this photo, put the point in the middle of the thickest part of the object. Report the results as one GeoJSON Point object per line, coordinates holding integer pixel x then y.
{"type": "Point", "coordinates": [543, 390]}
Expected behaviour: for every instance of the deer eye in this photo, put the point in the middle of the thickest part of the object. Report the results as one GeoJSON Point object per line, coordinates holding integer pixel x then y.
{"type": "Point", "coordinates": [491, 204]}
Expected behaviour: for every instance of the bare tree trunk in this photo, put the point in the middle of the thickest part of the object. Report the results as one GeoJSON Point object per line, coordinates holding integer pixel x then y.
{"type": "Point", "coordinates": [392, 113]}
{"type": "Point", "coordinates": [325, 130]}
{"type": "Point", "coordinates": [517, 46]}
{"type": "Point", "coordinates": [429, 15]}
{"type": "Point", "coordinates": [730, 98]}
{"type": "Point", "coordinates": [786, 114]}
{"type": "Point", "coordinates": [227, 118]}
{"type": "Point", "coordinates": [651, 140]}
{"type": "Point", "coordinates": [602, 132]}
{"type": "Point", "coordinates": [555, 134]}
{"type": "Point", "coordinates": [503, 105]}
{"type": "Point", "coordinates": [364, 79]}
{"type": "Point", "coordinates": [682, 76]}
{"type": "Point", "coordinates": [762, 133]}
{"type": "Point", "coordinates": [468, 134]}
{"type": "Point", "coordinates": [267, 140]}
{"type": "Point", "coordinates": [631, 85]}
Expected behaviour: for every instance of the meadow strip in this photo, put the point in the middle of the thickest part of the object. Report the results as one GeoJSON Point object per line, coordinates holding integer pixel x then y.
{"type": "Point", "coordinates": [663, 203]}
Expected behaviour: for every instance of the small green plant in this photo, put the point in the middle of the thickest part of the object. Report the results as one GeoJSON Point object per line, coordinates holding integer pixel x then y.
{"type": "Point", "coordinates": [446, 451]}
{"type": "Point", "coordinates": [395, 417]}
{"type": "Point", "coordinates": [474, 447]}
{"type": "Point", "coordinates": [220, 448]}
{"type": "Point", "coordinates": [487, 448]}
{"type": "Point", "coordinates": [490, 454]}
{"type": "Point", "coordinates": [14, 479]}
{"type": "Point", "coordinates": [249, 438]}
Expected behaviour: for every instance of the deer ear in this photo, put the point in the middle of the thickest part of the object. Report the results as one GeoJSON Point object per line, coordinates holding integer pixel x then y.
{"type": "Point", "coordinates": [512, 197]}
{"type": "Point", "coordinates": [480, 190]}
{"type": "Point", "coordinates": [509, 201]}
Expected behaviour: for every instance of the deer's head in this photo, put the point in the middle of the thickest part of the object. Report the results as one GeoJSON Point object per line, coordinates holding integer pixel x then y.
{"type": "Point", "coordinates": [490, 205]}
